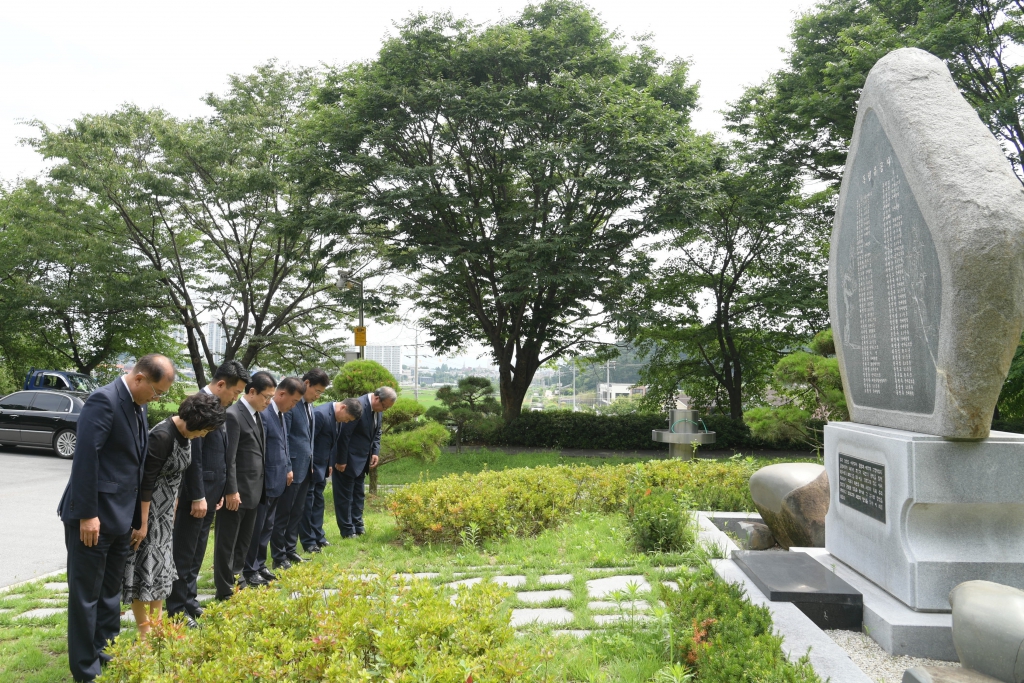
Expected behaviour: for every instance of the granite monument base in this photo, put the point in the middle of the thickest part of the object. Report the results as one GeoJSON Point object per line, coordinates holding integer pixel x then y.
{"type": "Point", "coordinates": [918, 514]}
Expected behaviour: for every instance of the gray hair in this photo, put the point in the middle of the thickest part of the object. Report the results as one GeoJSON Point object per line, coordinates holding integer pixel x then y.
{"type": "Point", "coordinates": [386, 394]}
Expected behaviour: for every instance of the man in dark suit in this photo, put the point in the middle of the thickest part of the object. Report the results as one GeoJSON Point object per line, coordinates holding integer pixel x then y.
{"type": "Point", "coordinates": [202, 493]}
{"type": "Point", "coordinates": [244, 485]}
{"type": "Point", "coordinates": [327, 421]}
{"type": "Point", "coordinates": [299, 424]}
{"type": "Point", "coordinates": [358, 450]}
{"type": "Point", "coordinates": [100, 507]}
{"type": "Point", "coordinates": [278, 478]}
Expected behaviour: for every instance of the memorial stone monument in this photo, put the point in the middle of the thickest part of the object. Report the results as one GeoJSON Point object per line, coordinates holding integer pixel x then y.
{"type": "Point", "coordinates": [926, 295]}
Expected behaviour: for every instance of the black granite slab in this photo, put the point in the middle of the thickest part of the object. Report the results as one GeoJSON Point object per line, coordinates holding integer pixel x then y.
{"type": "Point", "coordinates": [826, 599]}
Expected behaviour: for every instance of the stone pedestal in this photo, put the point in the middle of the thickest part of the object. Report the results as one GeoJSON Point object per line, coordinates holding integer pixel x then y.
{"type": "Point", "coordinates": [918, 514]}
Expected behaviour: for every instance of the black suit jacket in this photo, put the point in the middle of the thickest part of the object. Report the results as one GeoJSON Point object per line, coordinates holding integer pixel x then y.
{"type": "Point", "coordinates": [207, 472]}
{"type": "Point", "coordinates": [245, 457]}
{"type": "Point", "coordinates": [326, 432]}
{"type": "Point", "coordinates": [107, 468]}
{"type": "Point", "coordinates": [360, 439]}
{"type": "Point", "coordinates": [278, 461]}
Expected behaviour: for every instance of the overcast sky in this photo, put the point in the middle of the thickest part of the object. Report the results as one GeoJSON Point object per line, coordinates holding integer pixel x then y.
{"type": "Point", "coordinates": [61, 59]}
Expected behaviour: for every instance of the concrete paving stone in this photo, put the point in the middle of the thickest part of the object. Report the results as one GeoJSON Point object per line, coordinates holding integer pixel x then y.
{"type": "Point", "coordinates": [464, 582]}
{"type": "Point", "coordinates": [52, 601]}
{"type": "Point", "coordinates": [602, 588]}
{"type": "Point", "coordinates": [12, 596]}
{"type": "Point", "coordinates": [61, 586]}
{"type": "Point", "coordinates": [550, 615]}
{"type": "Point", "coordinates": [41, 613]}
{"type": "Point", "coordinates": [555, 579]}
{"type": "Point", "coordinates": [510, 581]}
{"type": "Point", "coordinates": [603, 605]}
{"type": "Point", "coordinates": [417, 575]}
{"type": "Point", "coordinates": [5, 611]}
{"type": "Point", "coordinates": [202, 597]}
{"type": "Point", "coordinates": [609, 569]}
{"type": "Point", "coordinates": [537, 597]}
{"type": "Point", "coordinates": [128, 617]}
{"type": "Point", "coordinates": [671, 585]}
{"type": "Point", "coordinates": [605, 619]}
{"type": "Point", "coordinates": [575, 633]}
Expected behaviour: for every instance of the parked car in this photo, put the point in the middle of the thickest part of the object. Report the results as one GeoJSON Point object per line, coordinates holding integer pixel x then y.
{"type": "Point", "coordinates": [41, 419]}
{"type": "Point", "coordinates": [59, 380]}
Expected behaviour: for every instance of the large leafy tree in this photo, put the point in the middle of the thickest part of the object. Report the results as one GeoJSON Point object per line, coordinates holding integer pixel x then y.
{"type": "Point", "coordinates": [501, 165]}
{"type": "Point", "coordinates": [71, 296]}
{"type": "Point", "coordinates": [219, 208]}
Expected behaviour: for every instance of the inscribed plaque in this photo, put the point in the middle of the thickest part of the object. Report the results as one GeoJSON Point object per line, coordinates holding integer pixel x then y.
{"type": "Point", "coordinates": [862, 486]}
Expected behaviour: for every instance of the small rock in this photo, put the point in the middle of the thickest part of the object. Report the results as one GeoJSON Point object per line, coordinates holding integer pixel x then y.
{"type": "Point", "coordinates": [756, 536]}
{"type": "Point", "coordinates": [944, 674]}
{"type": "Point", "coordinates": [988, 628]}
{"type": "Point", "coordinates": [792, 498]}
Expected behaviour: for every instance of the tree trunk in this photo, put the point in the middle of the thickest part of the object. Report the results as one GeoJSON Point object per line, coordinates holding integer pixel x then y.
{"type": "Point", "coordinates": [373, 480]}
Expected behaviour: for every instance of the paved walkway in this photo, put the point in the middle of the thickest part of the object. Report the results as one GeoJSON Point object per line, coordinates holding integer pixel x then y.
{"type": "Point", "coordinates": [31, 535]}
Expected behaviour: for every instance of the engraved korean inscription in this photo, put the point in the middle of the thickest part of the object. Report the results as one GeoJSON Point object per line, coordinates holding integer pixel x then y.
{"type": "Point", "coordinates": [862, 486]}
{"type": "Point", "coordinates": [890, 285]}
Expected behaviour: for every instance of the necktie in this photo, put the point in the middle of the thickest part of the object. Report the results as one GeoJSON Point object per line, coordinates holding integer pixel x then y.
{"type": "Point", "coordinates": [309, 417]}
{"type": "Point", "coordinates": [140, 422]}
{"type": "Point", "coordinates": [259, 423]}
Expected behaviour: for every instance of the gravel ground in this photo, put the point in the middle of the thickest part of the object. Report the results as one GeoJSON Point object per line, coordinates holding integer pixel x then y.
{"type": "Point", "coordinates": [878, 664]}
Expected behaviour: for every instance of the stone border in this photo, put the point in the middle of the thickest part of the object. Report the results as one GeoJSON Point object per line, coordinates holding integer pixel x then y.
{"type": "Point", "coordinates": [11, 586]}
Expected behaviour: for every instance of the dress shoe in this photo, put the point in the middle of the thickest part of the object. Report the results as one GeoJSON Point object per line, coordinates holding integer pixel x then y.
{"type": "Point", "coordinates": [360, 531]}
{"type": "Point", "coordinates": [256, 580]}
{"type": "Point", "coordinates": [315, 549]}
{"type": "Point", "coordinates": [283, 564]}
{"type": "Point", "coordinates": [196, 612]}
{"type": "Point", "coordinates": [191, 623]}
{"type": "Point", "coordinates": [324, 543]}
{"type": "Point", "coordinates": [268, 575]}
{"type": "Point", "coordinates": [294, 558]}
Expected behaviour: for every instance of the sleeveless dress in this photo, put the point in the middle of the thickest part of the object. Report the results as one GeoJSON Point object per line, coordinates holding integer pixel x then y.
{"type": "Point", "coordinates": [150, 570]}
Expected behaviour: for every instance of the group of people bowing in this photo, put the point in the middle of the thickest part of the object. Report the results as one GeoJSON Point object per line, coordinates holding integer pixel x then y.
{"type": "Point", "coordinates": [249, 451]}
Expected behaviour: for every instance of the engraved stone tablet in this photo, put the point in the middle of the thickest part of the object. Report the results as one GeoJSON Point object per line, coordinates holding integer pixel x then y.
{"type": "Point", "coordinates": [926, 271]}
{"type": "Point", "coordinates": [862, 486]}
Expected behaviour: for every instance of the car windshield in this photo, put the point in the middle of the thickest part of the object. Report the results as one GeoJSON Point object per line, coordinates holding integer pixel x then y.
{"type": "Point", "coordinates": [83, 383]}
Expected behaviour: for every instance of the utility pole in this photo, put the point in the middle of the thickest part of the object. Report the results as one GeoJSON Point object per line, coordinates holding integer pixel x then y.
{"type": "Point", "coordinates": [416, 368]}
{"type": "Point", "coordinates": [574, 387]}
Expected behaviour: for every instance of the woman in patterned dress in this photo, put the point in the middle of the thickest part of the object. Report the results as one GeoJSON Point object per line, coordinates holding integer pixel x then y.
{"type": "Point", "coordinates": [150, 571]}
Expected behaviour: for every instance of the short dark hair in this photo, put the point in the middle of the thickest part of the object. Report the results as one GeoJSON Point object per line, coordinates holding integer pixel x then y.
{"type": "Point", "coordinates": [317, 378]}
{"type": "Point", "coordinates": [232, 372]}
{"type": "Point", "coordinates": [154, 366]}
{"type": "Point", "coordinates": [261, 381]}
{"type": "Point", "coordinates": [354, 407]}
{"type": "Point", "coordinates": [292, 385]}
{"type": "Point", "coordinates": [201, 411]}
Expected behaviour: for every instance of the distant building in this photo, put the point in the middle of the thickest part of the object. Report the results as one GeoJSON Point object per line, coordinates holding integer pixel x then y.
{"type": "Point", "coordinates": [217, 340]}
{"type": "Point", "coordinates": [608, 392]}
{"type": "Point", "coordinates": [388, 356]}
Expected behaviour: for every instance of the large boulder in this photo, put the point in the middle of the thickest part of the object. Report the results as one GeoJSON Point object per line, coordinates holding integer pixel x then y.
{"type": "Point", "coordinates": [793, 498]}
{"type": "Point", "coordinates": [944, 674]}
{"type": "Point", "coordinates": [988, 629]}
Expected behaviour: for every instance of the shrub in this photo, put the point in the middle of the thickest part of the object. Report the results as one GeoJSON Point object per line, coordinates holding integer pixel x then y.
{"type": "Point", "coordinates": [373, 630]}
{"type": "Point", "coordinates": [358, 377]}
{"type": "Point", "coordinates": [659, 522]}
{"type": "Point", "coordinates": [566, 429]}
{"type": "Point", "coordinates": [523, 502]}
{"type": "Point", "coordinates": [725, 638]}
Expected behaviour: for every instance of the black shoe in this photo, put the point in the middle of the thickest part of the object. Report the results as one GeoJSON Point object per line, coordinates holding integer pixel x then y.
{"type": "Point", "coordinates": [196, 612]}
{"type": "Point", "coordinates": [360, 531]}
{"type": "Point", "coordinates": [256, 580]}
{"type": "Point", "coordinates": [191, 623]}
{"type": "Point", "coordinates": [315, 549]}
{"type": "Point", "coordinates": [324, 543]}
{"type": "Point", "coordinates": [268, 575]}
{"type": "Point", "coordinates": [295, 558]}
{"type": "Point", "coordinates": [283, 564]}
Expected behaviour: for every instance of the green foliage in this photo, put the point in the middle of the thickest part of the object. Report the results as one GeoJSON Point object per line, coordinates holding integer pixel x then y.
{"type": "Point", "coordinates": [464, 406]}
{"type": "Point", "coordinates": [726, 639]}
{"type": "Point", "coordinates": [1011, 397]}
{"type": "Point", "coordinates": [375, 630]}
{"type": "Point", "coordinates": [566, 429]}
{"type": "Point", "coordinates": [659, 522]}
{"type": "Point", "coordinates": [424, 443]}
{"type": "Point", "coordinates": [525, 502]}
{"type": "Point", "coordinates": [499, 163]}
{"type": "Point", "coordinates": [359, 377]}
{"type": "Point", "coordinates": [812, 388]}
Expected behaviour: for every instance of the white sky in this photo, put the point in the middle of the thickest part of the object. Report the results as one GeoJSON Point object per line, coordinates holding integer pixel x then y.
{"type": "Point", "coordinates": [61, 59]}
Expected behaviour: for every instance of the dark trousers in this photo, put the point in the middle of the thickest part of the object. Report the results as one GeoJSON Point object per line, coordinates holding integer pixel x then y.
{"type": "Point", "coordinates": [190, 539]}
{"type": "Point", "coordinates": [311, 529]}
{"type": "Point", "coordinates": [348, 503]}
{"type": "Point", "coordinates": [231, 539]}
{"type": "Point", "coordinates": [266, 513]}
{"type": "Point", "coordinates": [289, 514]}
{"type": "Point", "coordinates": [94, 597]}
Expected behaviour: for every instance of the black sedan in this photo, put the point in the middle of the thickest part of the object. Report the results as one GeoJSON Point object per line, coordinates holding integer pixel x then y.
{"type": "Point", "coordinates": [41, 419]}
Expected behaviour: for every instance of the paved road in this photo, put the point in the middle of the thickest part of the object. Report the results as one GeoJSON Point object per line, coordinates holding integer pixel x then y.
{"type": "Point", "coordinates": [31, 535]}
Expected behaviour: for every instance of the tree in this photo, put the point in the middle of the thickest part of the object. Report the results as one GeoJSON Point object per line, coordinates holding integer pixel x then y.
{"type": "Point", "coordinates": [500, 165]}
{"type": "Point", "coordinates": [359, 377]}
{"type": "Point", "coordinates": [743, 282]}
{"type": "Point", "coordinates": [811, 389]}
{"type": "Point", "coordinates": [472, 401]}
{"type": "Point", "coordinates": [70, 296]}
{"type": "Point", "coordinates": [812, 101]}
{"type": "Point", "coordinates": [220, 210]}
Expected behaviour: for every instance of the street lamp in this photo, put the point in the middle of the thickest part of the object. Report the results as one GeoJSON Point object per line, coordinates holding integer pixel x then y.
{"type": "Point", "coordinates": [347, 281]}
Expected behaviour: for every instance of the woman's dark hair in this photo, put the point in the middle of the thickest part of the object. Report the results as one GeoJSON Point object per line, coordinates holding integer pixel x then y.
{"type": "Point", "coordinates": [317, 378]}
{"type": "Point", "coordinates": [201, 412]}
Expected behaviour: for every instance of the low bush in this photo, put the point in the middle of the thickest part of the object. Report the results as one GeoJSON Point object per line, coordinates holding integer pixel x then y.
{"type": "Point", "coordinates": [723, 638]}
{"type": "Point", "coordinates": [566, 429]}
{"type": "Point", "coordinates": [522, 502]}
{"type": "Point", "coordinates": [368, 631]}
{"type": "Point", "coordinates": [659, 521]}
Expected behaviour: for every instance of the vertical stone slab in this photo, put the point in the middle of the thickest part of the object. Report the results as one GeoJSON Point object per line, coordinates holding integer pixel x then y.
{"type": "Point", "coordinates": [926, 269]}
